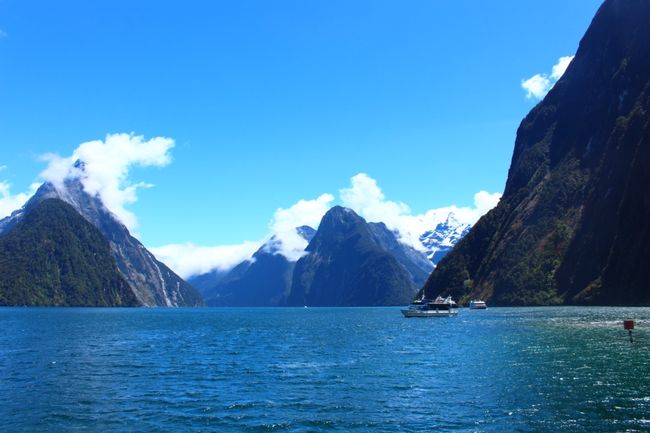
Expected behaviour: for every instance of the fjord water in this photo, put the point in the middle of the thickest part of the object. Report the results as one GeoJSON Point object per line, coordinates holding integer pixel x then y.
{"type": "Point", "coordinates": [322, 370]}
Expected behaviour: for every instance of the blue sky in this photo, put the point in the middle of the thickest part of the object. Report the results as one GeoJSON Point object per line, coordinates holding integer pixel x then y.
{"type": "Point", "coordinates": [273, 102]}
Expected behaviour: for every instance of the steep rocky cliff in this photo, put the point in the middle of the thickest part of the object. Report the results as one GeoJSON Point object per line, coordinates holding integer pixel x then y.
{"type": "Point", "coordinates": [573, 225]}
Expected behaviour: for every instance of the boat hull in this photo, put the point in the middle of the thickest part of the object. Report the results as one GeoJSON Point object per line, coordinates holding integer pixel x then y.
{"type": "Point", "coordinates": [428, 313]}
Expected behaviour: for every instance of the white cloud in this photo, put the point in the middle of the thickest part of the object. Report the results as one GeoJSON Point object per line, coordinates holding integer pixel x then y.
{"type": "Point", "coordinates": [189, 259]}
{"type": "Point", "coordinates": [536, 86]}
{"type": "Point", "coordinates": [3, 34]}
{"type": "Point", "coordinates": [561, 66]}
{"type": "Point", "coordinates": [107, 165]}
{"type": "Point", "coordinates": [304, 213]}
{"type": "Point", "coordinates": [539, 85]}
{"type": "Point", "coordinates": [9, 202]}
{"type": "Point", "coordinates": [366, 198]}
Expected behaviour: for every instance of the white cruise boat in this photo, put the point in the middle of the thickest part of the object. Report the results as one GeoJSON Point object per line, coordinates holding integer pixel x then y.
{"type": "Point", "coordinates": [475, 304]}
{"type": "Point", "coordinates": [440, 307]}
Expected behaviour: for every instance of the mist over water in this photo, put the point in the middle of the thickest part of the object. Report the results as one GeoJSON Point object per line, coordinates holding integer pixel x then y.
{"type": "Point", "coordinates": [321, 370]}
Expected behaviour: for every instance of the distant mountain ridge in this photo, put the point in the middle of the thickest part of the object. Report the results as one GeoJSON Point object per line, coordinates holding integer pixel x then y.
{"type": "Point", "coordinates": [263, 281]}
{"type": "Point", "coordinates": [371, 256]}
{"type": "Point", "coordinates": [573, 225]}
{"type": "Point", "coordinates": [152, 283]}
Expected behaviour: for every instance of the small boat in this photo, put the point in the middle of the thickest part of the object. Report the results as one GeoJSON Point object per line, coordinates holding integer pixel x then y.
{"type": "Point", "coordinates": [440, 307]}
{"type": "Point", "coordinates": [475, 304]}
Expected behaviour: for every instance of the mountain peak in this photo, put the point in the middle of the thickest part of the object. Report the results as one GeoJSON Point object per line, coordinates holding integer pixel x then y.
{"type": "Point", "coordinates": [452, 219]}
{"type": "Point", "coordinates": [153, 283]}
{"type": "Point", "coordinates": [340, 214]}
{"type": "Point", "coordinates": [80, 165]}
{"type": "Point", "coordinates": [352, 262]}
{"type": "Point", "coordinates": [306, 232]}
{"type": "Point", "coordinates": [340, 211]}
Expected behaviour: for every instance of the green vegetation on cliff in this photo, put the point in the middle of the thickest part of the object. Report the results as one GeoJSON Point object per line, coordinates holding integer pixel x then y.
{"type": "Point", "coordinates": [54, 257]}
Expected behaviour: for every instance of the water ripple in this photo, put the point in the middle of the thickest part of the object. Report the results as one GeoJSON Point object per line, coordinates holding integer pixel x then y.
{"type": "Point", "coordinates": [323, 370]}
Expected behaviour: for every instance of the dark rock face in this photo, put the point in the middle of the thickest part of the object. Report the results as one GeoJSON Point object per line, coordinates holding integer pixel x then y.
{"type": "Point", "coordinates": [573, 225]}
{"type": "Point", "coordinates": [346, 265]}
{"type": "Point", "coordinates": [263, 282]}
{"type": "Point", "coordinates": [204, 283]}
{"type": "Point", "coordinates": [153, 283]}
{"type": "Point", "coordinates": [54, 257]}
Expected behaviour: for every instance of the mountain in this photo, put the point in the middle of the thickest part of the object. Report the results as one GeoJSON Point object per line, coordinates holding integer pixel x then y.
{"type": "Point", "coordinates": [442, 239]}
{"type": "Point", "coordinates": [365, 264]}
{"type": "Point", "coordinates": [238, 286]}
{"type": "Point", "coordinates": [415, 262]}
{"type": "Point", "coordinates": [348, 264]}
{"type": "Point", "coordinates": [264, 281]}
{"type": "Point", "coordinates": [152, 283]}
{"type": "Point", "coordinates": [204, 283]}
{"type": "Point", "coordinates": [573, 225]}
{"type": "Point", "coordinates": [54, 257]}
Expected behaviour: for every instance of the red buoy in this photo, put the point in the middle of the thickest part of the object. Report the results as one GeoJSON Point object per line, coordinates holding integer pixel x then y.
{"type": "Point", "coordinates": [628, 325]}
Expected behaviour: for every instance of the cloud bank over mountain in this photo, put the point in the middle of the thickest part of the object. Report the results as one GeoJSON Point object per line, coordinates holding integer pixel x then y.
{"type": "Point", "coordinates": [190, 259]}
{"type": "Point", "coordinates": [366, 198]}
{"type": "Point", "coordinates": [363, 195]}
{"type": "Point", "coordinates": [303, 213]}
{"type": "Point", "coordinates": [107, 166]}
{"type": "Point", "coordinates": [105, 173]}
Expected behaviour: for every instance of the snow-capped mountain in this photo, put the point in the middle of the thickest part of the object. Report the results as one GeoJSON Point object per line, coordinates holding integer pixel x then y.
{"type": "Point", "coordinates": [273, 278]}
{"type": "Point", "coordinates": [441, 240]}
{"type": "Point", "coordinates": [153, 283]}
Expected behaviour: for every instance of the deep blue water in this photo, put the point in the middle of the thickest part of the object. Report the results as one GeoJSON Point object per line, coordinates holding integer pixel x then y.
{"type": "Point", "coordinates": [322, 370]}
